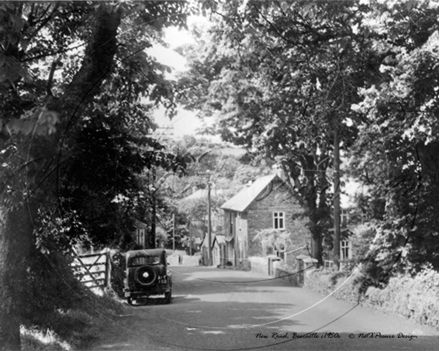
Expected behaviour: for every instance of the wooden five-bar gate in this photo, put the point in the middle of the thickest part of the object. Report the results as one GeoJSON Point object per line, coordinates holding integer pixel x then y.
{"type": "Point", "coordinates": [93, 270]}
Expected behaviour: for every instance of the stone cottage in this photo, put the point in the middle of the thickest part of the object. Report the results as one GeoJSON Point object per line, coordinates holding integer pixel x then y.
{"type": "Point", "coordinates": [266, 204]}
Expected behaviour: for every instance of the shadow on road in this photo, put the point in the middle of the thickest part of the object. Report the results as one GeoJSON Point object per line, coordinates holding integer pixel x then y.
{"type": "Point", "coordinates": [216, 309]}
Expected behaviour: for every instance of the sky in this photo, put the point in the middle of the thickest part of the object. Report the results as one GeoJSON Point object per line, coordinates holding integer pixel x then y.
{"type": "Point", "coordinates": [185, 122]}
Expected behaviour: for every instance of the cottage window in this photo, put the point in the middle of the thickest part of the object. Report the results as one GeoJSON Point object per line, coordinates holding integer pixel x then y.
{"type": "Point", "coordinates": [345, 249]}
{"type": "Point", "coordinates": [278, 220]}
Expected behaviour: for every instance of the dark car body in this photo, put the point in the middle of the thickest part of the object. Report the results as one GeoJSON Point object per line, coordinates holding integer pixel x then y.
{"type": "Point", "coordinates": [146, 275]}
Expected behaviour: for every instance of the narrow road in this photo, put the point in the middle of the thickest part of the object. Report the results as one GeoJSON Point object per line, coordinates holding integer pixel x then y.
{"type": "Point", "coordinates": [217, 309]}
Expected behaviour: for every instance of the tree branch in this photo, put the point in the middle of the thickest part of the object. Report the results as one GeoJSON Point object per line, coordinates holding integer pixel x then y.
{"type": "Point", "coordinates": [274, 28]}
{"type": "Point", "coordinates": [47, 54]}
{"type": "Point", "coordinates": [45, 21]}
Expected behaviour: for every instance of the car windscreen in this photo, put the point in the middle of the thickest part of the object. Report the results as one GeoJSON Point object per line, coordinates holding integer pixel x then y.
{"type": "Point", "coordinates": [144, 260]}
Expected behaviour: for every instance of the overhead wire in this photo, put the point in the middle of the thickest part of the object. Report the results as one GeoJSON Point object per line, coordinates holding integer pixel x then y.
{"type": "Point", "coordinates": [183, 346]}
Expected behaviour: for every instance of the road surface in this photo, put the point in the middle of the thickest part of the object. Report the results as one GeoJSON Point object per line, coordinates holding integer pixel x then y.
{"type": "Point", "coordinates": [218, 309]}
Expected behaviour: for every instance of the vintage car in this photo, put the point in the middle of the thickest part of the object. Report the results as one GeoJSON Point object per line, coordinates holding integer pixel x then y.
{"type": "Point", "coordinates": [146, 274]}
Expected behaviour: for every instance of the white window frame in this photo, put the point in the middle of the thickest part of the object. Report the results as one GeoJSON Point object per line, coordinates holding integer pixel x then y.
{"type": "Point", "coordinates": [345, 248]}
{"type": "Point", "coordinates": [279, 220]}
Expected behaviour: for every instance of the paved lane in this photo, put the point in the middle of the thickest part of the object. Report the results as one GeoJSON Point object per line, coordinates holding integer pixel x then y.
{"type": "Point", "coordinates": [216, 309]}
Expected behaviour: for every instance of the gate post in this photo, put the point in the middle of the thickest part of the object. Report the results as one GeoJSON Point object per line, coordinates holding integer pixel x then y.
{"type": "Point", "coordinates": [108, 270]}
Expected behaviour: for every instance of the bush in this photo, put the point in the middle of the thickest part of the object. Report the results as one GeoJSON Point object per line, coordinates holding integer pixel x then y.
{"type": "Point", "coordinates": [118, 273]}
{"type": "Point", "coordinates": [415, 298]}
{"type": "Point", "coordinates": [75, 328]}
{"type": "Point", "coordinates": [50, 287]}
{"type": "Point", "coordinates": [336, 283]}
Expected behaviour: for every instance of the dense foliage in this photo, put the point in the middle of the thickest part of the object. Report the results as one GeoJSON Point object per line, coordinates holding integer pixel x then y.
{"type": "Point", "coordinates": [282, 82]}
{"type": "Point", "coordinates": [396, 154]}
{"type": "Point", "coordinates": [286, 78]}
{"type": "Point", "coordinates": [77, 90]}
{"type": "Point", "coordinates": [226, 169]}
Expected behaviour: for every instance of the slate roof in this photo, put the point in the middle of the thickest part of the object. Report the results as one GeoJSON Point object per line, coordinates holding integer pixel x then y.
{"type": "Point", "coordinates": [242, 200]}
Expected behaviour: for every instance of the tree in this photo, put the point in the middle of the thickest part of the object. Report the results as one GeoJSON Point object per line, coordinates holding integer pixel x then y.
{"type": "Point", "coordinates": [281, 78]}
{"type": "Point", "coordinates": [396, 154]}
{"type": "Point", "coordinates": [61, 67]}
{"type": "Point", "coordinates": [273, 240]}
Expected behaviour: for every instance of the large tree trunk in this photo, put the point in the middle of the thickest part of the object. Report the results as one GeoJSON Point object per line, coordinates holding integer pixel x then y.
{"type": "Point", "coordinates": [317, 244]}
{"type": "Point", "coordinates": [16, 226]}
{"type": "Point", "coordinates": [312, 196]}
{"type": "Point", "coordinates": [95, 67]}
{"type": "Point", "coordinates": [15, 246]}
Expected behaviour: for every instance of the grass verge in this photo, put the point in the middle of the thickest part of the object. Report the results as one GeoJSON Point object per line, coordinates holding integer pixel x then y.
{"type": "Point", "coordinates": [74, 329]}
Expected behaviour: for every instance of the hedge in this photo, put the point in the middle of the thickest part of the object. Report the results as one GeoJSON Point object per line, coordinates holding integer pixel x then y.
{"type": "Point", "coordinates": [415, 298]}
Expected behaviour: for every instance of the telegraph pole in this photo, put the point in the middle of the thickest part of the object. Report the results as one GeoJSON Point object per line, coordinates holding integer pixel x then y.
{"type": "Point", "coordinates": [209, 224]}
{"type": "Point", "coordinates": [190, 238]}
{"type": "Point", "coordinates": [336, 201]}
{"type": "Point", "coordinates": [174, 232]}
{"type": "Point", "coordinates": [152, 241]}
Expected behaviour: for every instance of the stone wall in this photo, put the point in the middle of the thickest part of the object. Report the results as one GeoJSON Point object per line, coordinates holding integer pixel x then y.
{"type": "Point", "coordinates": [280, 270]}
{"type": "Point", "coordinates": [259, 265]}
{"type": "Point", "coordinates": [184, 260]}
{"type": "Point", "coordinates": [291, 277]}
